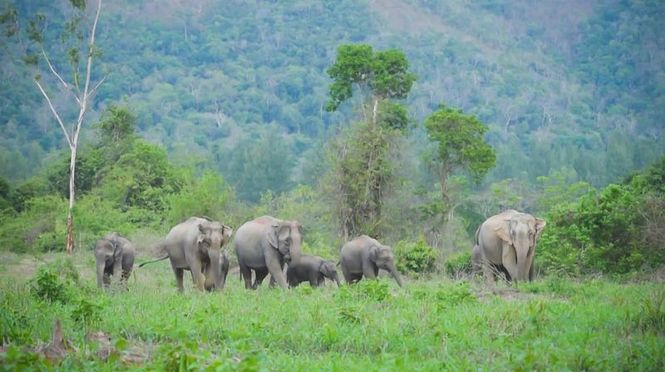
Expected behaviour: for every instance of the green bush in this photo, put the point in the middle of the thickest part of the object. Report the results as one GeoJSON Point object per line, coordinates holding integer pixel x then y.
{"type": "Point", "coordinates": [55, 282]}
{"type": "Point", "coordinates": [416, 257]}
{"type": "Point", "coordinates": [457, 264]}
{"type": "Point", "coordinates": [610, 230]}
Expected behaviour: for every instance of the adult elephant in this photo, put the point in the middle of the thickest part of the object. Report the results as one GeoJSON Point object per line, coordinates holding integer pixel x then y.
{"type": "Point", "coordinates": [196, 245]}
{"type": "Point", "coordinates": [113, 253]}
{"type": "Point", "coordinates": [311, 268]}
{"type": "Point", "coordinates": [364, 256]}
{"type": "Point", "coordinates": [263, 245]}
{"type": "Point", "coordinates": [507, 242]}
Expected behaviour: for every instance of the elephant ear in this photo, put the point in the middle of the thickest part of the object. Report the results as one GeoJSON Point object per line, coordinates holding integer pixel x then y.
{"type": "Point", "coordinates": [540, 225]}
{"type": "Point", "coordinates": [373, 253]}
{"type": "Point", "coordinates": [226, 232]}
{"type": "Point", "coordinates": [326, 268]}
{"type": "Point", "coordinates": [201, 237]}
{"type": "Point", "coordinates": [503, 232]}
{"type": "Point", "coordinates": [278, 232]}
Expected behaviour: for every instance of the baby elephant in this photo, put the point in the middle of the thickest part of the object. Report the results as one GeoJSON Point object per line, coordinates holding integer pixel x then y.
{"type": "Point", "coordinates": [112, 253]}
{"type": "Point", "coordinates": [364, 256]}
{"type": "Point", "coordinates": [312, 268]}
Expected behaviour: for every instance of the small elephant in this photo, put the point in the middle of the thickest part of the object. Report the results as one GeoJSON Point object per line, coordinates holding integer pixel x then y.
{"type": "Point", "coordinates": [264, 245]}
{"type": "Point", "coordinates": [196, 245]}
{"type": "Point", "coordinates": [312, 268]}
{"type": "Point", "coordinates": [364, 256]}
{"type": "Point", "coordinates": [113, 253]}
{"type": "Point", "coordinates": [506, 243]}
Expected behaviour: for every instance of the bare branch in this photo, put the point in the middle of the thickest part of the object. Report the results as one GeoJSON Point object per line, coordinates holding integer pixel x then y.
{"type": "Point", "coordinates": [64, 84]}
{"type": "Point", "coordinates": [91, 46]}
{"type": "Point", "coordinates": [94, 89]}
{"type": "Point", "coordinates": [55, 113]}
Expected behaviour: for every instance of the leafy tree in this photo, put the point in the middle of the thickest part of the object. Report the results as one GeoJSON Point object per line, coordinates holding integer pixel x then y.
{"type": "Point", "coordinates": [361, 167]}
{"type": "Point", "coordinates": [376, 75]}
{"type": "Point", "coordinates": [461, 147]}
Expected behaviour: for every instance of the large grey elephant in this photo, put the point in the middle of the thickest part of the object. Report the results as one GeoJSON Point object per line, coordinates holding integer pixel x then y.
{"type": "Point", "coordinates": [196, 245]}
{"type": "Point", "coordinates": [113, 253]}
{"type": "Point", "coordinates": [364, 256]}
{"type": "Point", "coordinates": [311, 268]}
{"type": "Point", "coordinates": [264, 245]}
{"type": "Point", "coordinates": [506, 243]}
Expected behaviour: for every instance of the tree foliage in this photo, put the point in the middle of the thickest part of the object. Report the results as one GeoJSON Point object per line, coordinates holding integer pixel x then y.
{"type": "Point", "coordinates": [361, 168]}
{"type": "Point", "coordinates": [615, 230]}
{"type": "Point", "coordinates": [460, 146]}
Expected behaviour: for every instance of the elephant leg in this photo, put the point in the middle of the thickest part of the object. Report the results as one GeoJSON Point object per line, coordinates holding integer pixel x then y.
{"type": "Point", "coordinates": [127, 265]}
{"type": "Point", "coordinates": [370, 271]}
{"type": "Point", "coordinates": [178, 278]}
{"type": "Point", "coordinates": [277, 273]}
{"type": "Point", "coordinates": [348, 277]}
{"type": "Point", "coordinates": [100, 272]}
{"type": "Point", "coordinates": [246, 274]}
{"type": "Point", "coordinates": [532, 272]}
{"type": "Point", "coordinates": [197, 274]}
{"type": "Point", "coordinates": [259, 276]}
{"type": "Point", "coordinates": [315, 279]}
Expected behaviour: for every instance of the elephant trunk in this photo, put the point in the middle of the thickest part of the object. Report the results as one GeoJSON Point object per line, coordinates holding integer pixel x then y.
{"type": "Point", "coordinates": [395, 274]}
{"type": "Point", "coordinates": [215, 273]}
{"type": "Point", "coordinates": [336, 279]}
{"type": "Point", "coordinates": [522, 264]}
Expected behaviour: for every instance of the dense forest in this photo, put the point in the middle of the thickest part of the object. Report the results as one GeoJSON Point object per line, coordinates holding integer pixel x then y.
{"type": "Point", "coordinates": [575, 87]}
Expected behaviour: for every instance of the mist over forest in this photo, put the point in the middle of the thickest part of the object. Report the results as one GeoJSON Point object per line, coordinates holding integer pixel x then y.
{"type": "Point", "coordinates": [563, 86]}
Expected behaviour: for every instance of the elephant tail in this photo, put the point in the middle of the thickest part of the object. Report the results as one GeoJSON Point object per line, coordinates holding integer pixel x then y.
{"type": "Point", "coordinates": [155, 260]}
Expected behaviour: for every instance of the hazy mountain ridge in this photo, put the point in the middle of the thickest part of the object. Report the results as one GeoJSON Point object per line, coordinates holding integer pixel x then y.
{"type": "Point", "coordinates": [204, 77]}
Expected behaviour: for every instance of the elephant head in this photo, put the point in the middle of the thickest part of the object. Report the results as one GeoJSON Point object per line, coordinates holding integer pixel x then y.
{"type": "Point", "coordinates": [382, 256]}
{"type": "Point", "coordinates": [521, 232]}
{"type": "Point", "coordinates": [211, 238]}
{"type": "Point", "coordinates": [329, 271]}
{"type": "Point", "coordinates": [286, 237]}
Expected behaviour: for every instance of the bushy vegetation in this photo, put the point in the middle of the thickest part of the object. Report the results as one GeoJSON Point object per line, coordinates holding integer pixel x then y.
{"type": "Point", "coordinates": [433, 325]}
{"type": "Point", "coordinates": [617, 229]}
{"type": "Point", "coordinates": [415, 257]}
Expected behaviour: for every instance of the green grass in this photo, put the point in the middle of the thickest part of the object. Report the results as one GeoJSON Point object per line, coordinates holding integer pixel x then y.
{"type": "Point", "coordinates": [437, 324]}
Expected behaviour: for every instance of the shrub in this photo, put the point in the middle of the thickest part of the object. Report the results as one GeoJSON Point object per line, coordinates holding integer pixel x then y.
{"type": "Point", "coordinates": [458, 264]}
{"type": "Point", "coordinates": [55, 282]}
{"type": "Point", "coordinates": [416, 257]}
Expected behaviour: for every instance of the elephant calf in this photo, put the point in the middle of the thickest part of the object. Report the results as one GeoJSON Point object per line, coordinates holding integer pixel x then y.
{"type": "Point", "coordinates": [364, 256]}
{"type": "Point", "coordinates": [113, 253]}
{"type": "Point", "coordinates": [311, 268]}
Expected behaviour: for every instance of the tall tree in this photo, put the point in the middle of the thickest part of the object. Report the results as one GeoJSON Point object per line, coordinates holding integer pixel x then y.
{"type": "Point", "coordinates": [461, 146]}
{"type": "Point", "coordinates": [80, 88]}
{"type": "Point", "coordinates": [361, 168]}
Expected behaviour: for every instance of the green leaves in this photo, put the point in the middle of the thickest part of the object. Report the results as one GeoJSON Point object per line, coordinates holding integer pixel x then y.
{"type": "Point", "coordinates": [460, 141]}
{"type": "Point", "coordinates": [384, 73]}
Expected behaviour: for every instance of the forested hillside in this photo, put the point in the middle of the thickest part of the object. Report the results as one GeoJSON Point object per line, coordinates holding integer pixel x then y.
{"type": "Point", "coordinates": [561, 85]}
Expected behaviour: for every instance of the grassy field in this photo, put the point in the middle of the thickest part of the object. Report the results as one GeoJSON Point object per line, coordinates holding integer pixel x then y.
{"type": "Point", "coordinates": [431, 324]}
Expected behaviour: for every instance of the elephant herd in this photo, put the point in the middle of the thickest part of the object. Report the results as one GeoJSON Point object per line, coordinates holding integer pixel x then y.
{"type": "Point", "coordinates": [504, 243]}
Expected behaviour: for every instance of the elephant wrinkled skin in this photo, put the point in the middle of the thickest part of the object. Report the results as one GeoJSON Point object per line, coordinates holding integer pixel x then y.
{"type": "Point", "coordinates": [264, 245]}
{"type": "Point", "coordinates": [196, 245]}
{"type": "Point", "coordinates": [113, 253]}
{"type": "Point", "coordinates": [507, 242]}
{"type": "Point", "coordinates": [311, 268]}
{"type": "Point", "coordinates": [364, 256]}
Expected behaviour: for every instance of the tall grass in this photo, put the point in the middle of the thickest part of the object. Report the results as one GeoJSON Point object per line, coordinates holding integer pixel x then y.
{"type": "Point", "coordinates": [431, 324]}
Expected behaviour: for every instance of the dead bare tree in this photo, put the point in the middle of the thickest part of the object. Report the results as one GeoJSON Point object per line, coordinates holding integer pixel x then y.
{"type": "Point", "coordinates": [83, 98]}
